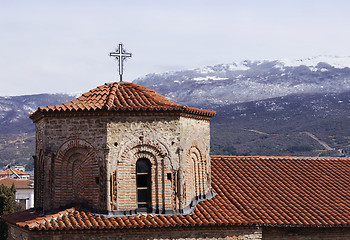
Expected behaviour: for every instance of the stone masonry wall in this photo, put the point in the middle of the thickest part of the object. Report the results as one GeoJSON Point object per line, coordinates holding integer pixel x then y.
{"type": "Point", "coordinates": [195, 142]}
{"type": "Point", "coordinates": [69, 155]}
{"type": "Point", "coordinates": [239, 233]}
{"type": "Point", "coordinates": [306, 233]}
{"type": "Point", "coordinates": [155, 138]}
{"type": "Point", "coordinates": [164, 141]}
{"type": "Point", "coordinates": [93, 159]}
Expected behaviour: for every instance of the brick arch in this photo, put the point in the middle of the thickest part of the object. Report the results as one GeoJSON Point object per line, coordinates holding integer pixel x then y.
{"type": "Point", "coordinates": [189, 179]}
{"type": "Point", "coordinates": [130, 147]}
{"type": "Point", "coordinates": [200, 174]}
{"type": "Point", "coordinates": [76, 170]}
{"type": "Point", "coordinates": [78, 176]}
{"type": "Point", "coordinates": [157, 153]}
{"type": "Point", "coordinates": [196, 156]}
{"type": "Point", "coordinates": [72, 143]}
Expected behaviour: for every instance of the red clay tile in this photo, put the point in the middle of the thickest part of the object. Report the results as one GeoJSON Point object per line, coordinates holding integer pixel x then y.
{"type": "Point", "coordinates": [12, 171]}
{"type": "Point", "coordinates": [272, 191]}
{"type": "Point", "coordinates": [121, 96]}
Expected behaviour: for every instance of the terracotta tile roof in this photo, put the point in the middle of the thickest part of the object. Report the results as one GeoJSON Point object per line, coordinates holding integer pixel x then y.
{"type": "Point", "coordinates": [266, 191]}
{"type": "Point", "coordinates": [121, 96]}
{"type": "Point", "coordinates": [19, 183]}
{"type": "Point", "coordinates": [12, 171]}
{"type": "Point", "coordinates": [303, 191]}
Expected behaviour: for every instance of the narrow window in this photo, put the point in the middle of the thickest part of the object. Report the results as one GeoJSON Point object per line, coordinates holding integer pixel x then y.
{"type": "Point", "coordinates": [143, 181]}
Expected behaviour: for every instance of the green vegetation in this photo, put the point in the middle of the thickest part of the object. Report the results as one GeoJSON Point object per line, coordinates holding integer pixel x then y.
{"type": "Point", "coordinates": [224, 150]}
{"type": "Point", "coordinates": [7, 199]}
{"type": "Point", "coordinates": [273, 136]}
{"type": "Point", "coordinates": [294, 149]}
{"type": "Point", "coordinates": [7, 206]}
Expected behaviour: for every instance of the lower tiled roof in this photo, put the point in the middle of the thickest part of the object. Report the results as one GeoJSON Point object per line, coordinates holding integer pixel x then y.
{"type": "Point", "coordinates": [284, 191]}
{"type": "Point", "coordinates": [19, 183]}
{"type": "Point", "coordinates": [265, 191]}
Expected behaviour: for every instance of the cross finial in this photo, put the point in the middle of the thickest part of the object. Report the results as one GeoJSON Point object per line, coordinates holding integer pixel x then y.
{"type": "Point", "coordinates": [120, 55]}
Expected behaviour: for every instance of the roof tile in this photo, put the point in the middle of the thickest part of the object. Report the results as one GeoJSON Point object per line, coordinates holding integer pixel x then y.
{"type": "Point", "coordinates": [19, 183]}
{"type": "Point", "coordinates": [11, 171]}
{"type": "Point", "coordinates": [121, 96]}
{"type": "Point", "coordinates": [273, 191]}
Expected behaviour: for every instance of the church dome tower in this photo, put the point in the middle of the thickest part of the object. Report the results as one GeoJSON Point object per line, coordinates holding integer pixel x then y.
{"type": "Point", "coordinates": [122, 148]}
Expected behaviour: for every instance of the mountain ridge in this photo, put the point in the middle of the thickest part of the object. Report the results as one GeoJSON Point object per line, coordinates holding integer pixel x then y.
{"type": "Point", "coordinates": [263, 108]}
{"type": "Point", "coordinates": [250, 81]}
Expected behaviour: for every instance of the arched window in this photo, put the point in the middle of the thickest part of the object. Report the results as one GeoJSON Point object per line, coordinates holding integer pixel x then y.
{"type": "Point", "coordinates": [143, 181]}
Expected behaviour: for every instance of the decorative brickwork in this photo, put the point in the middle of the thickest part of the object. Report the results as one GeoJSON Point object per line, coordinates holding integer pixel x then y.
{"type": "Point", "coordinates": [57, 136]}
{"type": "Point", "coordinates": [155, 152]}
{"type": "Point", "coordinates": [76, 170]}
{"type": "Point", "coordinates": [149, 138]}
{"type": "Point", "coordinates": [190, 178]}
{"type": "Point", "coordinates": [196, 159]}
{"type": "Point", "coordinates": [162, 140]}
{"type": "Point", "coordinates": [196, 174]}
{"type": "Point", "coordinates": [87, 151]}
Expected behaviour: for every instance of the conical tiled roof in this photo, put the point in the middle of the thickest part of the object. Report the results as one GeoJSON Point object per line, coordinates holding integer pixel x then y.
{"type": "Point", "coordinates": [121, 96]}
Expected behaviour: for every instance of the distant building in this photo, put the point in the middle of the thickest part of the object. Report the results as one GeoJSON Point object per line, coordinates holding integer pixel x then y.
{"type": "Point", "coordinates": [24, 190]}
{"type": "Point", "coordinates": [20, 168]}
{"type": "Point", "coordinates": [14, 173]}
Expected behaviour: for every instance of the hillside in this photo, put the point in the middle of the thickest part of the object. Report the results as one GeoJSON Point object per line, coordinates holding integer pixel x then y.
{"type": "Point", "coordinates": [278, 107]}
{"type": "Point", "coordinates": [298, 125]}
{"type": "Point", "coordinates": [17, 141]}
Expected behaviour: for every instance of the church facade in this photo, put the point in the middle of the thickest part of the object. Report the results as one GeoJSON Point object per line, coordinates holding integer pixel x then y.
{"type": "Point", "coordinates": [122, 161]}
{"type": "Point", "coordinates": [118, 138]}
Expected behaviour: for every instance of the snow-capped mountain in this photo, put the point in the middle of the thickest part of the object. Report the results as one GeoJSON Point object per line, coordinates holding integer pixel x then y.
{"type": "Point", "coordinates": [267, 107]}
{"type": "Point", "coordinates": [246, 81]}
{"type": "Point", "coordinates": [15, 110]}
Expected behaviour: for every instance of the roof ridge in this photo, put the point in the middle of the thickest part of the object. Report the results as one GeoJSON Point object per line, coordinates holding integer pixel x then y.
{"type": "Point", "coordinates": [111, 95]}
{"type": "Point", "coordinates": [79, 99]}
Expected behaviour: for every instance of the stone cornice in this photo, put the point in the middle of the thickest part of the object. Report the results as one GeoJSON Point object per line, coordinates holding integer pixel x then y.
{"type": "Point", "coordinates": [103, 113]}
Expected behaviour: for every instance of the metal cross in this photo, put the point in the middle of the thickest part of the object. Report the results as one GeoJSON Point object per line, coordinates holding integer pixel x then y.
{"type": "Point", "coordinates": [120, 55]}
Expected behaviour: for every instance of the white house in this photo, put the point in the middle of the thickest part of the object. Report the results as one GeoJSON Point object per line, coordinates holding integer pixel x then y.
{"type": "Point", "coordinates": [24, 190]}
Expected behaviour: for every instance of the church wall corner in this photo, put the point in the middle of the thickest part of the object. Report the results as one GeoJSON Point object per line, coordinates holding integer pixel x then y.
{"type": "Point", "coordinates": [196, 158]}
{"type": "Point", "coordinates": [53, 134]}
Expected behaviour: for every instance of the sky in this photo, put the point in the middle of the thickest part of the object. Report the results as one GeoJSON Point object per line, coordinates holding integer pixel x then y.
{"type": "Point", "coordinates": [63, 46]}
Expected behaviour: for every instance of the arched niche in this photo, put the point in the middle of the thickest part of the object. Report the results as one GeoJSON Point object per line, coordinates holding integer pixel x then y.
{"type": "Point", "coordinates": [196, 171]}
{"type": "Point", "coordinates": [125, 185]}
{"type": "Point", "coordinates": [76, 174]}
